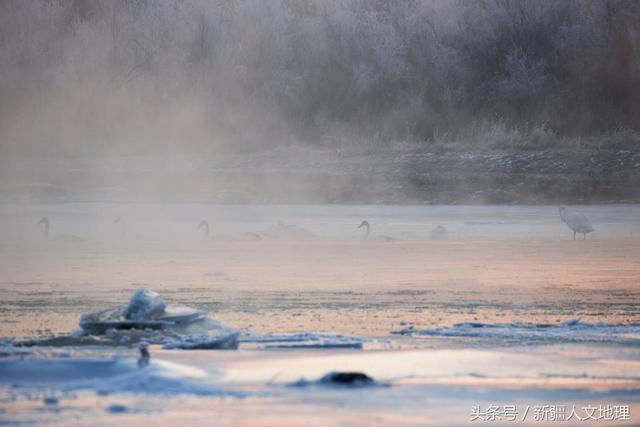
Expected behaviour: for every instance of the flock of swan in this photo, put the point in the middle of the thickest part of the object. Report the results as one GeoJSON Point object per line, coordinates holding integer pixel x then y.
{"type": "Point", "coordinates": [577, 222]}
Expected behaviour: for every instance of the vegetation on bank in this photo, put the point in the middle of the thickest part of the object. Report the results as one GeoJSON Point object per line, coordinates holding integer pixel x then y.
{"type": "Point", "coordinates": [139, 76]}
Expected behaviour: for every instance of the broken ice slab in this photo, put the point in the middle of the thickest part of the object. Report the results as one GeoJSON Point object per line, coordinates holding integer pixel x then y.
{"type": "Point", "coordinates": [146, 318]}
{"type": "Point", "coordinates": [205, 342]}
{"type": "Point", "coordinates": [143, 305]}
{"type": "Point", "coordinates": [572, 330]}
{"type": "Point", "coordinates": [303, 340]}
{"type": "Point", "coordinates": [99, 322]}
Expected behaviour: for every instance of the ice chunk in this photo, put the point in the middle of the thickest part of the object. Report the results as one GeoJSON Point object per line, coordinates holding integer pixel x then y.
{"type": "Point", "coordinates": [144, 305]}
{"type": "Point", "coordinates": [147, 319]}
{"type": "Point", "coordinates": [146, 311]}
{"type": "Point", "coordinates": [8, 349]}
{"type": "Point", "coordinates": [572, 330]}
{"type": "Point", "coordinates": [181, 314]}
{"type": "Point", "coordinates": [205, 342]}
{"type": "Point", "coordinates": [101, 321]}
{"type": "Point", "coordinates": [308, 340]}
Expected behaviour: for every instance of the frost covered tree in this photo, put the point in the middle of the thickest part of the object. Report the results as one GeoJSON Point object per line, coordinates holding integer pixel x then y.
{"type": "Point", "coordinates": [251, 73]}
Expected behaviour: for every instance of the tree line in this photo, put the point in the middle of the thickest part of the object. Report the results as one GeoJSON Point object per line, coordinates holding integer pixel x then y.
{"type": "Point", "coordinates": [250, 73]}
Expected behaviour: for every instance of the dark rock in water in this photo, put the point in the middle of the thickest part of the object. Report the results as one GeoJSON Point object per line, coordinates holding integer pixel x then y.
{"type": "Point", "coordinates": [50, 400]}
{"type": "Point", "coordinates": [340, 379]}
{"type": "Point", "coordinates": [117, 408]}
{"type": "Point", "coordinates": [347, 378]}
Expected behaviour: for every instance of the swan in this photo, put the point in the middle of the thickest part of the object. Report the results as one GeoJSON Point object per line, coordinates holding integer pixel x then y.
{"type": "Point", "coordinates": [204, 225]}
{"type": "Point", "coordinates": [382, 237]}
{"type": "Point", "coordinates": [439, 233]}
{"type": "Point", "coordinates": [64, 238]}
{"type": "Point", "coordinates": [577, 222]}
{"type": "Point", "coordinates": [45, 221]}
{"type": "Point", "coordinates": [252, 235]}
{"type": "Point", "coordinates": [206, 232]}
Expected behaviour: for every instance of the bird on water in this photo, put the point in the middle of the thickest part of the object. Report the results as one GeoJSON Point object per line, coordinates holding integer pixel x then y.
{"type": "Point", "coordinates": [45, 221]}
{"type": "Point", "coordinates": [65, 238]}
{"type": "Point", "coordinates": [367, 227]}
{"type": "Point", "coordinates": [577, 222]}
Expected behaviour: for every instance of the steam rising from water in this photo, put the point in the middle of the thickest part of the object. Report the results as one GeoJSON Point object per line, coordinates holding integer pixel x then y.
{"type": "Point", "coordinates": [105, 95]}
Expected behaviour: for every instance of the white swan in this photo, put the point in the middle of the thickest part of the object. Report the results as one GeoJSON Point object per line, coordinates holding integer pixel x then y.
{"type": "Point", "coordinates": [382, 237]}
{"type": "Point", "coordinates": [45, 221]}
{"type": "Point", "coordinates": [208, 236]}
{"type": "Point", "coordinates": [65, 238]}
{"type": "Point", "coordinates": [577, 222]}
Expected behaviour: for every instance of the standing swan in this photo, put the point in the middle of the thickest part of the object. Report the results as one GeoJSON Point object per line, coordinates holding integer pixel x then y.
{"type": "Point", "coordinates": [577, 222]}
{"type": "Point", "coordinates": [45, 221]}
{"type": "Point", "coordinates": [204, 224]}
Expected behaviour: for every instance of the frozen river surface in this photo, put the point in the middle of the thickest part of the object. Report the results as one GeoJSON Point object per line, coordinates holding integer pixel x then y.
{"type": "Point", "coordinates": [509, 310]}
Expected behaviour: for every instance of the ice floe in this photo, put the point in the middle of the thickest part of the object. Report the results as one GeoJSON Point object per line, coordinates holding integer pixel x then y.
{"type": "Point", "coordinates": [8, 349]}
{"type": "Point", "coordinates": [205, 342]}
{"type": "Point", "coordinates": [313, 340]}
{"type": "Point", "coordinates": [572, 330]}
{"type": "Point", "coordinates": [147, 319]}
